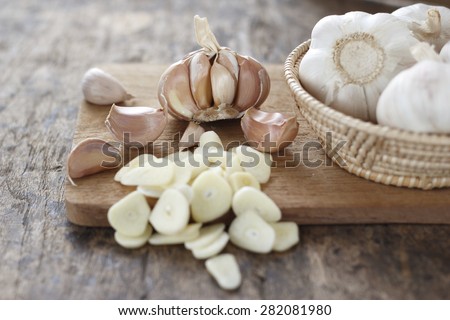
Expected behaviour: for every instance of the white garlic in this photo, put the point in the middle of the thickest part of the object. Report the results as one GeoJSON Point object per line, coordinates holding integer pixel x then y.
{"type": "Point", "coordinates": [133, 242]}
{"type": "Point", "coordinates": [353, 57]}
{"type": "Point", "coordinates": [207, 235]}
{"type": "Point", "coordinates": [248, 199]}
{"type": "Point", "coordinates": [445, 53]}
{"type": "Point", "coordinates": [255, 162]}
{"type": "Point", "coordinates": [102, 88]}
{"type": "Point", "coordinates": [428, 23]}
{"type": "Point", "coordinates": [190, 232]}
{"type": "Point", "coordinates": [213, 248]}
{"type": "Point", "coordinates": [238, 180]}
{"type": "Point", "coordinates": [225, 270]}
{"type": "Point", "coordinates": [286, 235]}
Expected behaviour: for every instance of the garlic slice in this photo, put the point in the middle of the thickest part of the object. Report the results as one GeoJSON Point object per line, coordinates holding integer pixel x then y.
{"type": "Point", "coordinates": [210, 139]}
{"type": "Point", "coordinates": [133, 242]}
{"type": "Point", "coordinates": [238, 180]}
{"type": "Point", "coordinates": [170, 215]}
{"type": "Point", "coordinates": [255, 162]}
{"type": "Point", "coordinates": [207, 235]}
{"type": "Point", "coordinates": [269, 131]}
{"type": "Point", "coordinates": [139, 161]}
{"type": "Point", "coordinates": [212, 248]}
{"type": "Point", "coordinates": [191, 135]}
{"type": "Point", "coordinates": [136, 124]}
{"type": "Point", "coordinates": [129, 216]}
{"type": "Point", "coordinates": [251, 199]}
{"type": "Point", "coordinates": [188, 233]}
{"type": "Point", "coordinates": [158, 173]}
{"type": "Point", "coordinates": [91, 156]}
{"type": "Point", "coordinates": [234, 166]}
{"type": "Point", "coordinates": [99, 87]}
{"type": "Point", "coordinates": [225, 271]}
{"type": "Point", "coordinates": [286, 235]}
{"type": "Point", "coordinates": [212, 197]}
{"type": "Point", "coordinates": [250, 232]}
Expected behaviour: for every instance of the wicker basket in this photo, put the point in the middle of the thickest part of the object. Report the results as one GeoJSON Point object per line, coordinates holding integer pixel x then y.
{"type": "Point", "coordinates": [378, 153]}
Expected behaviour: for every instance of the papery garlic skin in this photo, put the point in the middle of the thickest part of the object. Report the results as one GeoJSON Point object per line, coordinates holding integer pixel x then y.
{"type": "Point", "coordinates": [269, 131]}
{"type": "Point", "coordinates": [427, 22]}
{"type": "Point", "coordinates": [353, 57]}
{"type": "Point", "coordinates": [142, 124]}
{"type": "Point", "coordinates": [417, 99]}
{"type": "Point", "coordinates": [102, 88]}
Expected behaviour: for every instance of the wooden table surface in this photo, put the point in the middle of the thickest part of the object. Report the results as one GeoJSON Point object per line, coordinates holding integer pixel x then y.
{"type": "Point", "coordinates": [46, 46]}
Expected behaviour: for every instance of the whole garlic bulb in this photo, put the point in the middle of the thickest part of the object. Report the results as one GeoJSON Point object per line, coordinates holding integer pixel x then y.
{"type": "Point", "coordinates": [427, 23]}
{"type": "Point", "coordinates": [417, 99]}
{"type": "Point", "coordinates": [352, 58]}
{"type": "Point", "coordinates": [212, 83]}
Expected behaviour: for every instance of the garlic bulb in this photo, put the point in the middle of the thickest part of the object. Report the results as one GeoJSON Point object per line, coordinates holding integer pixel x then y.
{"type": "Point", "coordinates": [268, 132]}
{"type": "Point", "coordinates": [102, 88]}
{"type": "Point", "coordinates": [213, 83]}
{"type": "Point", "coordinates": [427, 22]}
{"type": "Point", "coordinates": [351, 59]}
{"type": "Point", "coordinates": [417, 98]}
{"type": "Point", "coordinates": [445, 52]}
{"type": "Point", "coordinates": [141, 124]}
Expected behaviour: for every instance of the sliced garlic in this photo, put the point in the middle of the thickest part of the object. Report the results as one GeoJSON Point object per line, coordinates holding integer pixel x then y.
{"type": "Point", "coordinates": [187, 192]}
{"type": "Point", "coordinates": [234, 166]}
{"type": "Point", "coordinates": [133, 242]}
{"type": "Point", "coordinates": [238, 180]}
{"type": "Point", "coordinates": [212, 197]}
{"type": "Point", "coordinates": [171, 213]}
{"type": "Point", "coordinates": [102, 88]}
{"type": "Point", "coordinates": [254, 162]}
{"type": "Point", "coordinates": [254, 200]}
{"type": "Point", "coordinates": [210, 139]}
{"type": "Point", "coordinates": [250, 232]}
{"type": "Point", "coordinates": [129, 216]}
{"type": "Point", "coordinates": [139, 161]}
{"type": "Point", "coordinates": [217, 170]}
{"type": "Point", "coordinates": [91, 156]}
{"type": "Point", "coordinates": [151, 192]}
{"type": "Point", "coordinates": [136, 124]}
{"type": "Point", "coordinates": [191, 135]}
{"type": "Point", "coordinates": [286, 235]}
{"type": "Point", "coordinates": [188, 233]}
{"type": "Point", "coordinates": [212, 248]}
{"type": "Point", "coordinates": [207, 235]}
{"type": "Point", "coordinates": [158, 173]}
{"type": "Point", "coordinates": [225, 271]}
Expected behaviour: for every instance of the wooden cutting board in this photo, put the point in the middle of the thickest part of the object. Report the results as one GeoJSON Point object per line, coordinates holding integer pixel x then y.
{"type": "Point", "coordinates": [305, 184]}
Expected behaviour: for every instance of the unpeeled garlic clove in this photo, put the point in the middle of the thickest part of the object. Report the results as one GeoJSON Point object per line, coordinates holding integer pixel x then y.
{"type": "Point", "coordinates": [223, 80]}
{"type": "Point", "coordinates": [91, 156]}
{"type": "Point", "coordinates": [200, 83]}
{"type": "Point", "coordinates": [268, 132]}
{"type": "Point", "coordinates": [102, 88]}
{"type": "Point", "coordinates": [174, 93]}
{"type": "Point", "coordinates": [142, 124]}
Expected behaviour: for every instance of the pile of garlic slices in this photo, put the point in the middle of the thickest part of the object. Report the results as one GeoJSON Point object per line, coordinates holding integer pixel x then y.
{"type": "Point", "coordinates": [354, 57]}
{"type": "Point", "coordinates": [194, 189]}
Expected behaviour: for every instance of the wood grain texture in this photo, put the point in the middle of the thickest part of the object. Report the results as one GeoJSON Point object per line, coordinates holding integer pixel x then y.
{"type": "Point", "coordinates": [307, 186]}
{"type": "Point", "coordinates": [46, 46]}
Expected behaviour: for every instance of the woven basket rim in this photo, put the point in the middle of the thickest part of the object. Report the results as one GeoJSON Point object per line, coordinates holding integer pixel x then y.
{"type": "Point", "coordinates": [365, 126]}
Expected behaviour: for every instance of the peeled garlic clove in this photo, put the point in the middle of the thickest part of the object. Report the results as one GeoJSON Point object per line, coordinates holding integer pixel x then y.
{"type": "Point", "coordinates": [200, 83]}
{"type": "Point", "coordinates": [213, 248]}
{"type": "Point", "coordinates": [174, 93]}
{"type": "Point", "coordinates": [171, 213]}
{"type": "Point", "coordinates": [254, 162]}
{"type": "Point", "coordinates": [225, 271]}
{"type": "Point", "coordinates": [136, 124]}
{"type": "Point", "coordinates": [254, 200]}
{"type": "Point", "coordinates": [191, 135]}
{"type": "Point", "coordinates": [159, 173]}
{"type": "Point", "coordinates": [133, 242]}
{"type": "Point", "coordinates": [286, 235]}
{"type": "Point", "coordinates": [269, 131]}
{"type": "Point", "coordinates": [250, 232]}
{"type": "Point", "coordinates": [102, 88]}
{"type": "Point", "coordinates": [207, 235]}
{"type": "Point", "coordinates": [238, 180]}
{"type": "Point", "coordinates": [188, 233]}
{"type": "Point", "coordinates": [223, 84]}
{"type": "Point", "coordinates": [91, 156]}
{"type": "Point", "coordinates": [129, 216]}
{"type": "Point", "coordinates": [212, 197]}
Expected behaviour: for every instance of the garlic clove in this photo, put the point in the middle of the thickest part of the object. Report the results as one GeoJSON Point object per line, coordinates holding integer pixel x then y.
{"type": "Point", "coordinates": [136, 124]}
{"type": "Point", "coordinates": [286, 235]}
{"type": "Point", "coordinates": [255, 162]}
{"type": "Point", "coordinates": [133, 242]}
{"type": "Point", "coordinates": [223, 84]}
{"type": "Point", "coordinates": [212, 248]}
{"type": "Point", "coordinates": [207, 235]}
{"type": "Point", "coordinates": [174, 93]}
{"type": "Point", "coordinates": [269, 131]}
{"type": "Point", "coordinates": [200, 83]}
{"type": "Point", "coordinates": [238, 180]}
{"type": "Point", "coordinates": [250, 232]}
{"type": "Point", "coordinates": [129, 216]}
{"type": "Point", "coordinates": [190, 232]}
{"type": "Point", "coordinates": [91, 156]}
{"type": "Point", "coordinates": [170, 215]}
{"type": "Point", "coordinates": [265, 82]}
{"type": "Point", "coordinates": [225, 271]}
{"type": "Point", "coordinates": [191, 135]}
{"type": "Point", "coordinates": [228, 59]}
{"type": "Point", "coordinates": [249, 199]}
{"type": "Point", "coordinates": [102, 88]}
